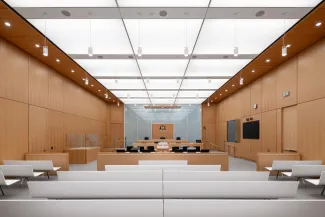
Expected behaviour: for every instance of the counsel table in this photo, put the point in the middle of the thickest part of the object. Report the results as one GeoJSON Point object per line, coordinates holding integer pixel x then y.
{"type": "Point", "coordinates": [109, 158]}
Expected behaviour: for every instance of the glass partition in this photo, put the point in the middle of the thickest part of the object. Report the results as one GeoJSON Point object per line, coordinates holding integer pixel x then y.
{"type": "Point", "coordinates": [138, 122]}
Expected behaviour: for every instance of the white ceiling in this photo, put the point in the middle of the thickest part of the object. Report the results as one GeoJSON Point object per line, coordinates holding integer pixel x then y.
{"type": "Point", "coordinates": [162, 75]}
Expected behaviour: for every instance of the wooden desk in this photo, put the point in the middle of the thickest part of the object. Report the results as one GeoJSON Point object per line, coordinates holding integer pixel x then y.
{"type": "Point", "coordinates": [107, 158]}
{"type": "Point", "coordinates": [145, 145]}
{"type": "Point", "coordinates": [265, 159]}
{"type": "Point", "coordinates": [58, 159]}
{"type": "Point", "coordinates": [162, 140]}
{"type": "Point", "coordinates": [83, 155]}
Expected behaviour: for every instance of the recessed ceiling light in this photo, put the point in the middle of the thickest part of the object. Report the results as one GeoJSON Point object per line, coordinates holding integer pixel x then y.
{"type": "Point", "coordinates": [288, 45]}
{"type": "Point", "coordinates": [220, 94]}
{"type": "Point", "coordinates": [113, 100]}
{"type": "Point", "coordinates": [99, 90]}
{"type": "Point", "coordinates": [37, 45]}
{"type": "Point", "coordinates": [57, 60]}
{"type": "Point", "coordinates": [72, 70]}
{"type": "Point", "coordinates": [253, 70]}
{"type": "Point", "coordinates": [92, 85]}
{"type": "Point", "coordinates": [268, 60]}
{"type": "Point", "coordinates": [226, 90]}
{"type": "Point", "coordinates": [7, 24]}
{"type": "Point", "coordinates": [318, 24]}
{"type": "Point", "coordinates": [215, 97]}
{"type": "Point", "coordinates": [233, 85]}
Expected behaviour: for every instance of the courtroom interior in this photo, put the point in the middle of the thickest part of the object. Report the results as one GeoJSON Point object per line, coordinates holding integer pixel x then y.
{"type": "Point", "coordinates": [162, 108]}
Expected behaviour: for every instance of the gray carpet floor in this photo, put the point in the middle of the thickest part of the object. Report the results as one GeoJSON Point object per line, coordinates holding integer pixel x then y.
{"type": "Point", "coordinates": [309, 192]}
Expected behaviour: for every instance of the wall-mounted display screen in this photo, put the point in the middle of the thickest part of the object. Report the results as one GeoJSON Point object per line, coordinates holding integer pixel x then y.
{"type": "Point", "coordinates": [251, 130]}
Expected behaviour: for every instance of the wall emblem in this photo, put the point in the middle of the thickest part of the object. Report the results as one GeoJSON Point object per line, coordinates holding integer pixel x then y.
{"type": "Point", "coordinates": [162, 128]}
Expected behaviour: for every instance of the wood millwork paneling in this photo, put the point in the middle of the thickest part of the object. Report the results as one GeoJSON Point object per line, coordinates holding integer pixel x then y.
{"type": "Point", "coordinates": [168, 133]}
{"type": "Point", "coordinates": [38, 83]}
{"type": "Point", "coordinates": [56, 131]}
{"type": "Point", "coordinates": [208, 136]}
{"type": "Point", "coordinates": [311, 125]}
{"type": "Point", "coordinates": [287, 78]}
{"type": "Point", "coordinates": [13, 130]}
{"type": "Point", "coordinates": [222, 135]}
{"type": "Point", "coordinates": [116, 135]}
{"type": "Point", "coordinates": [268, 131]}
{"type": "Point", "coordinates": [38, 126]}
{"type": "Point", "coordinates": [14, 73]}
{"type": "Point", "coordinates": [256, 97]}
{"type": "Point", "coordinates": [311, 74]}
{"type": "Point", "coordinates": [255, 144]}
{"type": "Point", "coordinates": [246, 101]}
{"type": "Point", "coordinates": [116, 114]}
{"type": "Point", "coordinates": [279, 145]}
{"type": "Point", "coordinates": [56, 91]}
{"type": "Point", "coordinates": [289, 128]}
{"type": "Point", "coordinates": [269, 92]}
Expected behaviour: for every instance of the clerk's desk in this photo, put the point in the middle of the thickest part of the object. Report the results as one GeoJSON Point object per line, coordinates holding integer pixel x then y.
{"type": "Point", "coordinates": [162, 140]}
{"type": "Point", "coordinates": [113, 158]}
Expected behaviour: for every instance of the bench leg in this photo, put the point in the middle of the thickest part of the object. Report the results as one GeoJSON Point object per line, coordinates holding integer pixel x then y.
{"type": "Point", "coordinates": [48, 177]}
{"type": "Point", "coordinates": [277, 175]}
{"type": "Point", "coordinates": [3, 194]}
{"type": "Point", "coordinates": [323, 191]}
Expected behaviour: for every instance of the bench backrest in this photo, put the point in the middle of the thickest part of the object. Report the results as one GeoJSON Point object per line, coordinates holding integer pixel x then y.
{"type": "Point", "coordinates": [2, 179]}
{"type": "Point", "coordinates": [230, 190]}
{"type": "Point", "coordinates": [42, 165]}
{"type": "Point", "coordinates": [287, 165]}
{"type": "Point", "coordinates": [162, 162]}
{"type": "Point", "coordinates": [95, 190]}
{"type": "Point", "coordinates": [164, 167]}
{"type": "Point", "coordinates": [307, 170]}
{"type": "Point", "coordinates": [322, 179]}
{"type": "Point", "coordinates": [145, 175]}
{"type": "Point", "coordinates": [17, 170]}
{"type": "Point", "coordinates": [170, 175]}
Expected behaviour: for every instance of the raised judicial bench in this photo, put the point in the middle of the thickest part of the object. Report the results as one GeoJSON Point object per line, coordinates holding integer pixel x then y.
{"type": "Point", "coordinates": [162, 190]}
{"type": "Point", "coordinates": [163, 208]}
{"type": "Point", "coordinates": [283, 165]}
{"type": "Point", "coordinates": [215, 176]}
{"type": "Point", "coordinates": [145, 175]}
{"type": "Point", "coordinates": [162, 162]}
{"type": "Point", "coordinates": [38, 165]}
{"type": "Point", "coordinates": [165, 167]}
{"type": "Point", "coordinates": [303, 171]}
{"type": "Point", "coordinates": [318, 182]}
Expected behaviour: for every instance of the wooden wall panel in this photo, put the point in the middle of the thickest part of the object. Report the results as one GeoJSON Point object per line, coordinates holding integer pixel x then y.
{"type": "Point", "coordinates": [243, 148]}
{"type": "Point", "coordinates": [268, 131]}
{"type": "Point", "coordinates": [279, 145]}
{"type": "Point", "coordinates": [168, 133]}
{"type": "Point", "coordinates": [38, 83]}
{"type": "Point", "coordinates": [116, 113]}
{"type": "Point", "coordinates": [269, 92]}
{"type": "Point", "coordinates": [255, 144]}
{"type": "Point", "coordinates": [256, 96]}
{"type": "Point", "coordinates": [289, 128]}
{"type": "Point", "coordinates": [56, 131]}
{"type": "Point", "coordinates": [13, 130]}
{"type": "Point", "coordinates": [208, 114]}
{"type": "Point", "coordinates": [56, 91]}
{"type": "Point", "coordinates": [222, 135]}
{"type": "Point", "coordinates": [38, 125]}
{"type": "Point", "coordinates": [116, 135]}
{"type": "Point", "coordinates": [287, 76]}
{"type": "Point", "coordinates": [246, 101]}
{"type": "Point", "coordinates": [14, 73]}
{"type": "Point", "coordinates": [311, 125]}
{"type": "Point", "coordinates": [311, 74]}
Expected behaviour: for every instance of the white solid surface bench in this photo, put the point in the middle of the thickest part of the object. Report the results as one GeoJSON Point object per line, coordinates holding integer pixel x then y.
{"type": "Point", "coordinates": [283, 165]}
{"type": "Point", "coordinates": [21, 171]}
{"type": "Point", "coordinates": [301, 171]}
{"type": "Point", "coordinates": [6, 182]}
{"type": "Point", "coordinates": [40, 165]}
{"type": "Point", "coordinates": [170, 175]}
{"type": "Point", "coordinates": [144, 175]}
{"type": "Point", "coordinates": [230, 190]}
{"type": "Point", "coordinates": [318, 182]}
{"type": "Point", "coordinates": [162, 162]}
{"type": "Point", "coordinates": [164, 167]}
{"type": "Point", "coordinates": [95, 190]}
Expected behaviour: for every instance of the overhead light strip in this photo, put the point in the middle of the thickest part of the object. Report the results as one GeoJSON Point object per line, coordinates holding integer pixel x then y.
{"type": "Point", "coordinates": [136, 59]}
{"type": "Point", "coordinates": [197, 38]}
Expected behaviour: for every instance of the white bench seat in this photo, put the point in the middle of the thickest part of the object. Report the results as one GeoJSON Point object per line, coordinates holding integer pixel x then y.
{"type": "Point", "coordinates": [6, 182]}
{"type": "Point", "coordinates": [163, 167]}
{"type": "Point", "coordinates": [318, 182]}
{"type": "Point", "coordinates": [21, 171]}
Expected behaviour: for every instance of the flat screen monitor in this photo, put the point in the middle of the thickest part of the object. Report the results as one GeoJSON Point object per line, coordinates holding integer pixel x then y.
{"type": "Point", "coordinates": [251, 130]}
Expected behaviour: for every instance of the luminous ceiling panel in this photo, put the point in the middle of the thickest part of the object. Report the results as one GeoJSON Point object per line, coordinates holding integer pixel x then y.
{"type": "Point", "coordinates": [162, 67]}
{"type": "Point", "coordinates": [189, 101]}
{"type": "Point", "coordinates": [73, 36]}
{"type": "Point", "coordinates": [136, 101]}
{"type": "Point", "coordinates": [160, 36]}
{"type": "Point", "coordinates": [261, 3]}
{"type": "Point", "coordinates": [252, 35]}
{"type": "Point", "coordinates": [167, 94]}
{"type": "Point", "coordinates": [61, 3]}
{"type": "Point", "coordinates": [125, 94]}
{"type": "Point", "coordinates": [163, 84]}
{"type": "Point", "coordinates": [122, 84]}
{"type": "Point", "coordinates": [194, 94]}
{"type": "Point", "coordinates": [107, 67]}
{"type": "Point", "coordinates": [163, 101]}
{"type": "Point", "coordinates": [218, 67]}
{"type": "Point", "coordinates": [203, 83]}
{"type": "Point", "coordinates": [163, 3]}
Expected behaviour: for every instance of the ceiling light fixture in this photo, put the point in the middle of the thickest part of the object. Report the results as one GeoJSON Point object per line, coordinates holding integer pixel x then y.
{"type": "Point", "coordinates": [45, 47]}
{"type": "Point", "coordinates": [99, 90]}
{"type": "Point", "coordinates": [208, 103]}
{"type": "Point", "coordinates": [92, 85]}
{"type": "Point", "coordinates": [241, 81]}
{"type": "Point", "coordinates": [284, 51]}
{"type": "Point", "coordinates": [236, 49]}
{"type": "Point", "coordinates": [7, 24]}
{"type": "Point", "coordinates": [128, 96]}
{"type": "Point", "coordinates": [226, 90]}
{"type": "Point", "coordinates": [72, 71]}
{"type": "Point", "coordinates": [253, 70]}
{"type": "Point", "coordinates": [58, 60]}
{"type": "Point", "coordinates": [86, 81]}
{"type": "Point", "coordinates": [37, 45]}
{"type": "Point", "coordinates": [288, 45]}
{"type": "Point", "coordinates": [233, 85]}
{"type": "Point", "coordinates": [106, 95]}
{"type": "Point", "coordinates": [220, 94]}
{"type": "Point", "coordinates": [209, 81]}
{"type": "Point", "coordinates": [90, 48]}
{"type": "Point", "coordinates": [116, 81]}
{"type": "Point", "coordinates": [268, 60]}
{"type": "Point", "coordinates": [118, 103]}
{"type": "Point", "coordinates": [185, 36]}
{"type": "Point", "coordinates": [318, 24]}
{"type": "Point", "coordinates": [139, 39]}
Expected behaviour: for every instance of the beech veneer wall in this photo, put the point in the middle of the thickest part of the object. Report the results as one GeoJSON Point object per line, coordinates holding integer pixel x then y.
{"type": "Point", "coordinates": [295, 122]}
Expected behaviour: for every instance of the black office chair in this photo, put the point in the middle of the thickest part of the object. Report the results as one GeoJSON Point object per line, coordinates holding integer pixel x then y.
{"type": "Point", "coordinates": [162, 137]}
{"type": "Point", "coordinates": [141, 148]}
{"type": "Point", "coordinates": [146, 138]}
{"type": "Point", "coordinates": [198, 148]}
{"type": "Point", "coordinates": [175, 149]}
{"type": "Point", "coordinates": [151, 148]}
{"type": "Point", "coordinates": [184, 148]}
{"type": "Point", "coordinates": [205, 150]}
{"type": "Point", "coordinates": [198, 141]}
{"type": "Point", "coordinates": [146, 151]}
{"type": "Point", "coordinates": [128, 148]}
{"type": "Point", "coordinates": [178, 138]}
{"type": "Point", "coordinates": [156, 142]}
{"type": "Point", "coordinates": [133, 150]}
{"type": "Point", "coordinates": [191, 150]}
{"type": "Point", "coordinates": [120, 150]}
